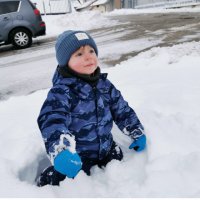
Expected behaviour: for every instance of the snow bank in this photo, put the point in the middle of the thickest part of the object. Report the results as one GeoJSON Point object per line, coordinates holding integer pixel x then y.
{"type": "Point", "coordinates": [163, 86]}
{"type": "Point", "coordinates": [56, 24]}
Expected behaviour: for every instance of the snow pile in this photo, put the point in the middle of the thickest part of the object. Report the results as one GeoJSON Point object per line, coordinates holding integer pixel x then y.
{"type": "Point", "coordinates": [76, 21]}
{"type": "Point", "coordinates": [163, 87]}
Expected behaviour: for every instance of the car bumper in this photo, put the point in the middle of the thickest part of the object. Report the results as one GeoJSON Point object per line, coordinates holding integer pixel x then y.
{"type": "Point", "coordinates": [42, 30]}
{"type": "Point", "coordinates": [40, 33]}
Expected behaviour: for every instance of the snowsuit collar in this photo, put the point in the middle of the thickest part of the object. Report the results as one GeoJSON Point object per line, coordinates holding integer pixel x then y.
{"type": "Point", "coordinates": [79, 86]}
{"type": "Point", "coordinates": [92, 79]}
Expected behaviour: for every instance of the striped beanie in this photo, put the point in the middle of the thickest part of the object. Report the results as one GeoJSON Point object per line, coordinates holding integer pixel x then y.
{"type": "Point", "coordinates": [70, 41]}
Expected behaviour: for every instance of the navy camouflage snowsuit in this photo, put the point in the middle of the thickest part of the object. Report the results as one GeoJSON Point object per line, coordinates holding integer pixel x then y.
{"type": "Point", "coordinates": [77, 113]}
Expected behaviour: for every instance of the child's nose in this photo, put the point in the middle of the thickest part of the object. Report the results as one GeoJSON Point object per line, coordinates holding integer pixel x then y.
{"type": "Point", "coordinates": [87, 56]}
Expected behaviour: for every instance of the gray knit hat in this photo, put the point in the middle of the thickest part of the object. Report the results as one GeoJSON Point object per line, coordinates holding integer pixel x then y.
{"type": "Point", "coordinates": [70, 41]}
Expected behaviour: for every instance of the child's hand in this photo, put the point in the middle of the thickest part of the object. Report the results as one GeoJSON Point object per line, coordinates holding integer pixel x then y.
{"type": "Point", "coordinates": [68, 163]}
{"type": "Point", "coordinates": [139, 144]}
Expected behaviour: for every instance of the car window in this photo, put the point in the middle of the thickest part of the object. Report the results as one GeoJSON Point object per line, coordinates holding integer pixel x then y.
{"type": "Point", "coordinates": [32, 5]}
{"type": "Point", "coordinates": [8, 7]}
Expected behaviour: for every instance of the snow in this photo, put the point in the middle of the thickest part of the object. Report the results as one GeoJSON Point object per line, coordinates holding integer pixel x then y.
{"type": "Point", "coordinates": [100, 2]}
{"type": "Point", "coordinates": [84, 5]}
{"type": "Point", "coordinates": [163, 87]}
{"type": "Point", "coordinates": [76, 21]}
{"type": "Point", "coordinates": [93, 19]}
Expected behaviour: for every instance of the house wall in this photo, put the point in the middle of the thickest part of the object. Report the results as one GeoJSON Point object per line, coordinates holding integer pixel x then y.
{"type": "Point", "coordinates": [135, 3]}
{"type": "Point", "coordinates": [53, 6]}
{"type": "Point", "coordinates": [99, 8]}
{"type": "Point", "coordinates": [117, 4]}
{"type": "Point", "coordinates": [142, 2]}
{"type": "Point", "coordinates": [103, 8]}
{"type": "Point", "coordinates": [165, 3]}
{"type": "Point", "coordinates": [128, 3]}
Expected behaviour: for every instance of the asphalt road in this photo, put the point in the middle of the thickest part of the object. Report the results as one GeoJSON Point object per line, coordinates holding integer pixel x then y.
{"type": "Point", "coordinates": [166, 28]}
{"type": "Point", "coordinates": [172, 28]}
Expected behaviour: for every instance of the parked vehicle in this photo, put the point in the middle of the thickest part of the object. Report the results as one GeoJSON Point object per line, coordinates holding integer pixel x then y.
{"type": "Point", "coordinates": [20, 21]}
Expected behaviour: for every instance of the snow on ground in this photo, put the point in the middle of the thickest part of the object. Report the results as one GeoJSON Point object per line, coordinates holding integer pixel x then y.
{"type": "Point", "coordinates": [76, 21]}
{"type": "Point", "coordinates": [163, 86]}
{"type": "Point", "coordinates": [93, 19]}
{"type": "Point", "coordinates": [56, 24]}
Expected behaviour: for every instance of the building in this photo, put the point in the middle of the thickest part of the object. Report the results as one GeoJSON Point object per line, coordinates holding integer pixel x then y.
{"type": "Point", "coordinates": [66, 6]}
{"type": "Point", "coordinates": [53, 6]}
{"type": "Point", "coordinates": [100, 5]}
{"type": "Point", "coordinates": [160, 3]}
{"type": "Point", "coordinates": [128, 3]}
{"type": "Point", "coordinates": [106, 5]}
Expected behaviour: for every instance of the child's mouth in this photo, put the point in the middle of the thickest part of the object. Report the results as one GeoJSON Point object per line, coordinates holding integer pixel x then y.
{"type": "Point", "coordinates": [90, 65]}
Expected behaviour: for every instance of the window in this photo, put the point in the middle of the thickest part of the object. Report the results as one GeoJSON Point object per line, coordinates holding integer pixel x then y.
{"type": "Point", "coordinates": [8, 7]}
{"type": "Point", "coordinates": [130, 4]}
{"type": "Point", "coordinates": [32, 5]}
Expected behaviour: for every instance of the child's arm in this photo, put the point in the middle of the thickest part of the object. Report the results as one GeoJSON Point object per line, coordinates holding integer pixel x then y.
{"type": "Point", "coordinates": [125, 117]}
{"type": "Point", "coordinates": [53, 122]}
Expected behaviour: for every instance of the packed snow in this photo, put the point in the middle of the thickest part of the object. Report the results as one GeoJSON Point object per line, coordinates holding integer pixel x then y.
{"type": "Point", "coordinates": [163, 87]}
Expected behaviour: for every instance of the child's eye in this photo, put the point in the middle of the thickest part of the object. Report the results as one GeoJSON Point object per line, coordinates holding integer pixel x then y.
{"type": "Point", "coordinates": [91, 50]}
{"type": "Point", "coordinates": [79, 54]}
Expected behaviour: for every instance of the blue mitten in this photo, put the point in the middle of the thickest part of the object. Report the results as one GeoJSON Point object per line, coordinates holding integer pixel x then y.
{"type": "Point", "coordinates": [68, 163]}
{"type": "Point", "coordinates": [139, 143]}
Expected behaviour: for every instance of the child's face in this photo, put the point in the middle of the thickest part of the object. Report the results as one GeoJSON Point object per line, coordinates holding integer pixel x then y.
{"type": "Point", "coordinates": [84, 60]}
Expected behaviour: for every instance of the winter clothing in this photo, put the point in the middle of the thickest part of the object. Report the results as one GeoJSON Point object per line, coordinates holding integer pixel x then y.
{"type": "Point", "coordinates": [68, 163]}
{"type": "Point", "coordinates": [70, 41]}
{"type": "Point", "coordinates": [139, 143]}
{"type": "Point", "coordinates": [115, 153]}
{"type": "Point", "coordinates": [51, 177]}
{"type": "Point", "coordinates": [91, 79]}
{"type": "Point", "coordinates": [79, 116]}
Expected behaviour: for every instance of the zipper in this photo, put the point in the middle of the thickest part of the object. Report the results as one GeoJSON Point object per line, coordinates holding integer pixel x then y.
{"type": "Point", "coordinates": [96, 105]}
{"type": "Point", "coordinates": [96, 111]}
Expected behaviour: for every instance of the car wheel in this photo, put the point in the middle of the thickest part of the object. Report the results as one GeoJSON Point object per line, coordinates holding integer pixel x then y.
{"type": "Point", "coordinates": [21, 38]}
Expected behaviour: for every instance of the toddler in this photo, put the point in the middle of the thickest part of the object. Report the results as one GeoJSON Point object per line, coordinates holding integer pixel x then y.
{"type": "Point", "coordinates": [77, 117]}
